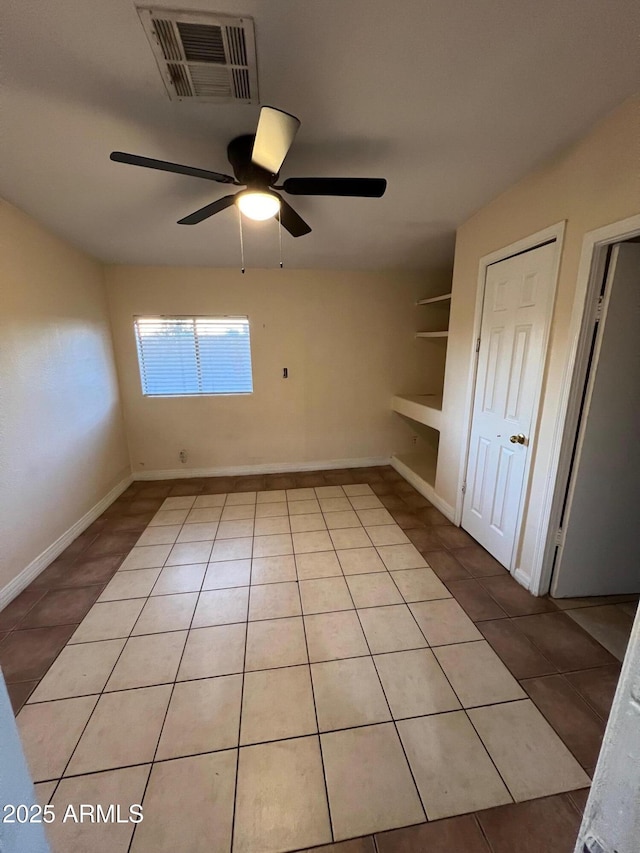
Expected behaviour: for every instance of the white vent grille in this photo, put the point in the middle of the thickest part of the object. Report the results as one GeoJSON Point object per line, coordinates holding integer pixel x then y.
{"type": "Point", "coordinates": [210, 57]}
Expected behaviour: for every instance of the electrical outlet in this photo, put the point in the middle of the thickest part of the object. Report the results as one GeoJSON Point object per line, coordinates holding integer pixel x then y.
{"type": "Point", "coordinates": [182, 456]}
{"type": "Point", "coordinates": [414, 439]}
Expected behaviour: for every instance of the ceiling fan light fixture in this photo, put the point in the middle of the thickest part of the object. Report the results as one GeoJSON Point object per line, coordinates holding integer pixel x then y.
{"type": "Point", "coordinates": [258, 205]}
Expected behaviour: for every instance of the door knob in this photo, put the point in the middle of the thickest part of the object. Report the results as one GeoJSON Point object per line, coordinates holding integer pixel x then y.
{"type": "Point", "coordinates": [518, 439]}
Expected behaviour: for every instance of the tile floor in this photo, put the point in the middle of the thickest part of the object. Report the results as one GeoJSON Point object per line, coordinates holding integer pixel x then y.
{"type": "Point", "coordinates": [286, 662]}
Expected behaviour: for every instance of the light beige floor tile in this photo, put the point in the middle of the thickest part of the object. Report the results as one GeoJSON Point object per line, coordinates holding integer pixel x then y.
{"type": "Point", "coordinates": [356, 561]}
{"type": "Point", "coordinates": [397, 557]}
{"type": "Point", "coordinates": [273, 601]}
{"type": "Point", "coordinates": [453, 772]}
{"type": "Point", "coordinates": [108, 621]}
{"type": "Point", "coordinates": [169, 516]}
{"type": "Point", "coordinates": [328, 505]}
{"type": "Point", "coordinates": [166, 613]}
{"type": "Point", "coordinates": [444, 622]}
{"type": "Point", "coordinates": [348, 693]}
{"type": "Point", "coordinates": [198, 532]}
{"type": "Point", "coordinates": [373, 590]}
{"type": "Point", "coordinates": [317, 540]}
{"type": "Point", "coordinates": [188, 805]}
{"type": "Point", "coordinates": [477, 674]}
{"type": "Point", "coordinates": [241, 498]}
{"type": "Point", "coordinates": [273, 569]}
{"type": "Point", "coordinates": [373, 517]}
{"type": "Point", "coordinates": [152, 659]}
{"type": "Point", "coordinates": [124, 729]}
{"type": "Point", "coordinates": [277, 704]}
{"type": "Point", "coordinates": [44, 791]}
{"type": "Point", "coordinates": [608, 624]}
{"type": "Point", "coordinates": [239, 513]}
{"type": "Point", "coordinates": [180, 502]}
{"type": "Point", "coordinates": [530, 756]}
{"type": "Point", "coordinates": [204, 515]}
{"type": "Point", "coordinates": [109, 789]}
{"type": "Point", "coordinates": [318, 564]}
{"type": "Point", "coordinates": [391, 629]}
{"type": "Point", "coordinates": [235, 529]}
{"type": "Point", "coordinates": [162, 535]}
{"type": "Point", "coordinates": [369, 782]}
{"type": "Point", "coordinates": [79, 670]}
{"type": "Point", "coordinates": [272, 546]}
{"type": "Point", "coordinates": [146, 557]}
{"type": "Point", "coordinates": [50, 731]}
{"type": "Point", "coordinates": [331, 636]}
{"type": "Point", "coordinates": [342, 519]}
{"type": "Point", "coordinates": [387, 534]}
{"type": "Point", "coordinates": [227, 573]}
{"type": "Point", "coordinates": [281, 802]}
{"type": "Point", "coordinates": [420, 585]}
{"type": "Point", "coordinates": [231, 549]}
{"type": "Point", "coordinates": [221, 607]}
{"type": "Point", "coordinates": [271, 526]}
{"type": "Point", "coordinates": [137, 583]}
{"type": "Point", "coordinates": [274, 510]}
{"type": "Point", "coordinates": [213, 651]}
{"type": "Point", "coordinates": [329, 492]}
{"type": "Point", "coordinates": [325, 594]}
{"type": "Point", "coordinates": [414, 684]}
{"type": "Point", "coordinates": [350, 537]}
{"type": "Point", "coordinates": [358, 489]}
{"type": "Point", "coordinates": [208, 501]}
{"type": "Point", "coordinates": [304, 507]}
{"type": "Point", "coordinates": [175, 579]}
{"type": "Point", "coordinates": [365, 502]}
{"type": "Point", "coordinates": [276, 642]}
{"type": "Point", "coordinates": [203, 716]}
{"type": "Point", "coordinates": [296, 495]}
{"type": "Point", "coordinates": [272, 496]}
{"type": "Point", "coordinates": [189, 553]}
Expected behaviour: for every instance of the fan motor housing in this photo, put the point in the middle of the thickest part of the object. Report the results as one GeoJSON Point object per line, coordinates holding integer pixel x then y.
{"type": "Point", "coordinates": [239, 155]}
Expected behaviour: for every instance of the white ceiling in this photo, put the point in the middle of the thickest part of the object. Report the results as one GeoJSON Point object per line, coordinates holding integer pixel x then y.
{"type": "Point", "coordinates": [450, 100]}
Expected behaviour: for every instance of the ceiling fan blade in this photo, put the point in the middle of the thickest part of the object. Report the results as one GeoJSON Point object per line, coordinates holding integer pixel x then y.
{"type": "Point", "coordinates": [165, 166]}
{"type": "Point", "coordinates": [208, 210]}
{"type": "Point", "coordinates": [274, 135]}
{"type": "Point", "coordinates": [361, 187]}
{"type": "Point", "coordinates": [292, 221]}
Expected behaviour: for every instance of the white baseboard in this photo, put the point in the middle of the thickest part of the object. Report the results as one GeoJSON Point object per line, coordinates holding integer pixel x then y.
{"type": "Point", "coordinates": [523, 579]}
{"type": "Point", "coordinates": [24, 578]}
{"type": "Point", "coordinates": [267, 468]}
{"type": "Point", "coordinates": [426, 489]}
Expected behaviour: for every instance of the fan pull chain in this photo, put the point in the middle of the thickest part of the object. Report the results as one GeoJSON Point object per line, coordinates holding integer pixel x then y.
{"type": "Point", "coordinates": [242, 268]}
{"type": "Point", "coordinates": [280, 235]}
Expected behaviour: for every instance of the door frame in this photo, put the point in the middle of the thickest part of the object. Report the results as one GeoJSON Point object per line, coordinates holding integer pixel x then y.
{"type": "Point", "coordinates": [595, 246]}
{"type": "Point", "coordinates": [554, 233]}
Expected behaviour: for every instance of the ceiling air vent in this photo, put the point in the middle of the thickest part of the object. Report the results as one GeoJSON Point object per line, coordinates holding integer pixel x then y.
{"type": "Point", "coordinates": [208, 57]}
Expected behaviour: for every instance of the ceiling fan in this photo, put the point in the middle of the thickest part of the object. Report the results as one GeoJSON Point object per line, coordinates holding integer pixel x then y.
{"type": "Point", "coordinates": [256, 161]}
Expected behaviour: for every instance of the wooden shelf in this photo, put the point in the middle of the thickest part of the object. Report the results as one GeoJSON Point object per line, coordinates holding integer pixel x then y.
{"type": "Point", "coordinates": [419, 468]}
{"type": "Point", "coordinates": [423, 408]}
{"type": "Point", "coordinates": [433, 299]}
{"type": "Point", "coordinates": [432, 334]}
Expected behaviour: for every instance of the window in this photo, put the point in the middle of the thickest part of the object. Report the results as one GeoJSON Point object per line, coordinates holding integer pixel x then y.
{"type": "Point", "coordinates": [194, 355]}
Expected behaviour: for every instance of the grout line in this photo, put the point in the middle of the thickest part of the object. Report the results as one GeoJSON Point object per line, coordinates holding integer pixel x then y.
{"type": "Point", "coordinates": [315, 711]}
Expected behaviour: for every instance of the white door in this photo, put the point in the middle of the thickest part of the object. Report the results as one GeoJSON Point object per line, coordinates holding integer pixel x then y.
{"type": "Point", "coordinates": [515, 318]}
{"type": "Point", "coordinates": [600, 549]}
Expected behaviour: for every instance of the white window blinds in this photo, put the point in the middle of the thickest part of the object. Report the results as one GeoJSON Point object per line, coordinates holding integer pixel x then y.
{"type": "Point", "coordinates": [194, 355]}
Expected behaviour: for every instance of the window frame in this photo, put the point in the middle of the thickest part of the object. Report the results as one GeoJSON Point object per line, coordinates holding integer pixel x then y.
{"type": "Point", "coordinates": [194, 317]}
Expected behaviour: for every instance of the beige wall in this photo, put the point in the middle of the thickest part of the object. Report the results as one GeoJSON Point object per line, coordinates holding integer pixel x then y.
{"type": "Point", "coordinates": [62, 445]}
{"type": "Point", "coordinates": [346, 338]}
{"type": "Point", "coordinates": [594, 183]}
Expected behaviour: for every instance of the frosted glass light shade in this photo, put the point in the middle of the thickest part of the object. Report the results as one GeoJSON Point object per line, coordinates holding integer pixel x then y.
{"type": "Point", "coordinates": [258, 205]}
